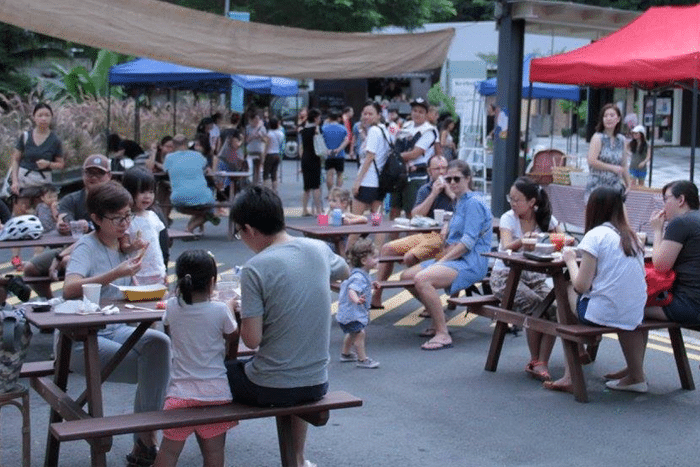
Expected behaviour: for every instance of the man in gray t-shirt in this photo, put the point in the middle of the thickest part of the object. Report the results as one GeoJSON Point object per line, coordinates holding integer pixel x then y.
{"type": "Point", "coordinates": [285, 309]}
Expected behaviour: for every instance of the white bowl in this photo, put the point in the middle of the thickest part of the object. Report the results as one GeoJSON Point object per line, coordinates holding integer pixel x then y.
{"type": "Point", "coordinates": [544, 248]}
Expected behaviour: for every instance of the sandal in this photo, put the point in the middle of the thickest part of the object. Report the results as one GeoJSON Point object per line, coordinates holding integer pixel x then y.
{"type": "Point", "coordinates": [17, 263]}
{"type": "Point", "coordinates": [542, 375]}
{"type": "Point", "coordinates": [429, 332]}
{"type": "Point", "coordinates": [144, 456]}
{"type": "Point", "coordinates": [436, 345]}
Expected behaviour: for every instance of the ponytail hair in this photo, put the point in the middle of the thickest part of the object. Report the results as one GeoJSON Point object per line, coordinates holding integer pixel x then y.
{"type": "Point", "coordinates": [195, 270]}
{"type": "Point", "coordinates": [605, 204]}
{"type": "Point", "coordinates": [543, 208]}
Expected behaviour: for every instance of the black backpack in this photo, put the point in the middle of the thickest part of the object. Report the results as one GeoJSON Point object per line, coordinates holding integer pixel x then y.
{"type": "Point", "coordinates": [394, 175]}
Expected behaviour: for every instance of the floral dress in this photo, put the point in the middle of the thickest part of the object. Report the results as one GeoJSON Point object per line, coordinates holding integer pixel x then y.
{"type": "Point", "coordinates": [611, 152]}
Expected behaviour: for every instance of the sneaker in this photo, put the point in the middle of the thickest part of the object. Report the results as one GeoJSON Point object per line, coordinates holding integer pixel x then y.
{"type": "Point", "coordinates": [144, 456]}
{"type": "Point", "coordinates": [348, 357]}
{"type": "Point", "coordinates": [368, 363]}
{"type": "Point", "coordinates": [16, 285]}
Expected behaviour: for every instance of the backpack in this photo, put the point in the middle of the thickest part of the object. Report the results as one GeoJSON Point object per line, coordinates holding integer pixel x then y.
{"type": "Point", "coordinates": [15, 335]}
{"type": "Point", "coordinates": [394, 175]}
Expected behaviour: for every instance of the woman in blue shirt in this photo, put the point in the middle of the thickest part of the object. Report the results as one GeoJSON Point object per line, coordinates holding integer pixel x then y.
{"type": "Point", "coordinates": [461, 263]}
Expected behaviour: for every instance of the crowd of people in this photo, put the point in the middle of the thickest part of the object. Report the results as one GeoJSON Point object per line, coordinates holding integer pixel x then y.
{"type": "Point", "coordinates": [125, 241]}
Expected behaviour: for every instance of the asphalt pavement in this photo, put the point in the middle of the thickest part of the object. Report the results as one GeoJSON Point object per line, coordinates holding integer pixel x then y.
{"type": "Point", "coordinates": [434, 408]}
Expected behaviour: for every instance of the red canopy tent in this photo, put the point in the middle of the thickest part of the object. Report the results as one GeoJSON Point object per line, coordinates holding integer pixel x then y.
{"type": "Point", "coordinates": [661, 48]}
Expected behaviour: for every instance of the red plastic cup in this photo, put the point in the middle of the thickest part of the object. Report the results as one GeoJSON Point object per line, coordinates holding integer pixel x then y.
{"type": "Point", "coordinates": [322, 219]}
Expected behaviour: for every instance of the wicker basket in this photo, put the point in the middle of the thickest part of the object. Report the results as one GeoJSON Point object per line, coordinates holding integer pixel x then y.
{"type": "Point", "coordinates": [560, 175]}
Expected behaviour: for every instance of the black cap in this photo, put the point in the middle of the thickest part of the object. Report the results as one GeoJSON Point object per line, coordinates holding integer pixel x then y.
{"type": "Point", "coordinates": [420, 102]}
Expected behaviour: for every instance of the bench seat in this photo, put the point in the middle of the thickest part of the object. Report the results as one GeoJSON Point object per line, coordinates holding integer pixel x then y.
{"type": "Point", "coordinates": [400, 284]}
{"type": "Point", "coordinates": [316, 413]}
{"type": "Point", "coordinates": [37, 369]}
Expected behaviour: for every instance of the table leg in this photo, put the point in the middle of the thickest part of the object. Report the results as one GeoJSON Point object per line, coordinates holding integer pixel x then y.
{"type": "Point", "coordinates": [681, 357]}
{"type": "Point", "coordinates": [93, 380]}
{"type": "Point", "coordinates": [63, 351]}
{"type": "Point", "coordinates": [501, 328]}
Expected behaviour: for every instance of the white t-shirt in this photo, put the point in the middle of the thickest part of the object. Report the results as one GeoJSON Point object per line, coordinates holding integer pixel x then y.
{"type": "Point", "coordinates": [618, 291]}
{"type": "Point", "coordinates": [377, 144]}
{"type": "Point", "coordinates": [509, 221]}
{"type": "Point", "coordinates": [214, 134]}
{"type": "Point", "coordinates": [150, 225]}
{"type": "Point", "coordinates": [276, 137]}
{"type": "Point", "coordinates": [197, 369]}
{"type": "Point", "coordinates": [255, 138]}
{"type": "Point", "coordinates": [426, 141]}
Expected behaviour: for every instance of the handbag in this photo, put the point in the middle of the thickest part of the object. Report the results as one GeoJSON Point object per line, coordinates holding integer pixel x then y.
{"type": "Point", "coordinates": [32, 178]}
{"type": "Point", "coordinates": [15, 335]}
{"type": "Point", "coordinates": [659, 285]}
{"type": "Point", "coordinates": [320, 147]}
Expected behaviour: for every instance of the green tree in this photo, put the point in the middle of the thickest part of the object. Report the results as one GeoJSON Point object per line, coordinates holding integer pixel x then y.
{"type": "Point", "coordinates": [334, 15]}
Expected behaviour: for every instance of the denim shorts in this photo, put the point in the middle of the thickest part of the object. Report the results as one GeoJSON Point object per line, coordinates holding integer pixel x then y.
{"type": "Point", "coordinates": [247, 392]}
{"type": "Point", "coordinates": [581, 307]}
{"type": "Point", "coordinates": [353, 327]}
{"type": "Point", "coordinates": [682, 310]}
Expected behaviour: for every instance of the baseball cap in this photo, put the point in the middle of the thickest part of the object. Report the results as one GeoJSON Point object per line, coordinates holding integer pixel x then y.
{"type": "Point", "coordinates": [639, 129]}
{"type": "Point", "coordinates": [421, 102]}
{"type": "Point", "coordinates": [97, 161]}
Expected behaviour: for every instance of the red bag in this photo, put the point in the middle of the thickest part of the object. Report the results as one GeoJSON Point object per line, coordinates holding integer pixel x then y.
{"type": "Point", "coordinates": [659, 285]}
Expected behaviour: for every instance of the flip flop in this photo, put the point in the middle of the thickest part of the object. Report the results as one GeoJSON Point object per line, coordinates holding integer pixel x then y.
{"type": "Point", "coordinates": [424, 314]}
{"type": "Point", "coordinates": [435, 345]}
{"type": "Point", "coordinates": [375, 307]}
{"type": "Point", "coordinates": [429, 332]}
{"type": "Point", "coordinates": [554, 386]}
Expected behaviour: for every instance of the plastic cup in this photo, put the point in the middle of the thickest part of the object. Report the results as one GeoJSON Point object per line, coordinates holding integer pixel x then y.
{"type": "Point", "coordinates": [226, 291]}
{"type": "Point", "coordinates": [76, 229]}
{"type": "Point", "coordinates": [322, 219]}
{"type": "Point", "coordinates": [642, 236]}
{"type": "Point", "coordinates": [376, 218]}
{"type": "Point", "coordinates": [529, 244]}
{"type": "Point", "coordinates": [558, 240]}
{"type": "Point", "coordinates": [92, 292]}
{"type": "Point", "coordinates": [439, 216]}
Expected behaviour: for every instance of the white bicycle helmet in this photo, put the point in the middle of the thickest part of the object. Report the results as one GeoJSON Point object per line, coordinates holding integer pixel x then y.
{"type": "Point", "coordinates": [21, 228]}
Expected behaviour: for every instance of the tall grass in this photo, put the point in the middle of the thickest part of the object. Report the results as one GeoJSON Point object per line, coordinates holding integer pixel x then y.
{"type": "Point", "coordinates": [81, 127]}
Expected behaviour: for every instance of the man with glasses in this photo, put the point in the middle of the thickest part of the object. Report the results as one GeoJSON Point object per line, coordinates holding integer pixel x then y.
{"type": "Point", "coordinates": [72, 207]}
{"type": "Point", "coordinates": [435, 194]}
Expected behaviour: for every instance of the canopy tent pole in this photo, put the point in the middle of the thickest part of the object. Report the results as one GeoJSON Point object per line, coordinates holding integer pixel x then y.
{"type": "Point", "coordinates": [137, 118]}
{"type": "Point", "coordinates": [174, 112]}
{"type": "Point", "coordinates": [551, 128]}
{"type": "Point", "coordinates": [527, 128]}
{"type": "Point", "coordinates": [694, 129]}
{"type": "Point", "coordinates": [653, 128]}
{"type": "Point", "coordinates": [109, 115]}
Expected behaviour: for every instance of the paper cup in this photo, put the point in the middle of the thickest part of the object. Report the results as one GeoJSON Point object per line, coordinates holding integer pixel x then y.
{"type": "Point", "coordinates": [92, 292]}
{"type": "Point", "coordinates": [439, 216]}
{"type": "Point", "coordinates": [529, 244]}
{"type": "Point", "coordinates": [642, 236]}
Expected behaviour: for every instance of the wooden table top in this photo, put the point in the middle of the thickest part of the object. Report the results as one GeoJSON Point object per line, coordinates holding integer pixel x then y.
{"type": "Point", "coordinates": [51, 319]}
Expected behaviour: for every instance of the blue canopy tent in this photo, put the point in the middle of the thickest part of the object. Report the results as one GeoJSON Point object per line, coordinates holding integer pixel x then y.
{"type": "Point", "coordinates": [145, 72]}
{"type": "Point", "coordinates": [532, 90]}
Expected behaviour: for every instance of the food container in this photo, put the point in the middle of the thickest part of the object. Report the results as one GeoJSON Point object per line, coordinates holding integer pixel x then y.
{"type": "Point", "coordinates": [544, 248]}
{"type": "Point", "coordinates": [558, 240]}
{"type": "Point", "coordinates": [529, 244]}
{"type": "Point", "coordinates": [137, 293]}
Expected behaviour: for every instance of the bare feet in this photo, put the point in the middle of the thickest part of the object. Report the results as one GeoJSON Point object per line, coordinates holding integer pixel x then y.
{"type": "Point", "coordinates": [563, 385]}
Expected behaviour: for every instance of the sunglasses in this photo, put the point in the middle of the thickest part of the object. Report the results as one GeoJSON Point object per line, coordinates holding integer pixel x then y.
{"type": "Point", "coordinates": [453, 179]}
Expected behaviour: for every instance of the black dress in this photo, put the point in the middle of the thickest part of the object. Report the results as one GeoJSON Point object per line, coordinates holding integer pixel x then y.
{"type": "Point", "coordinates": [310, 162]}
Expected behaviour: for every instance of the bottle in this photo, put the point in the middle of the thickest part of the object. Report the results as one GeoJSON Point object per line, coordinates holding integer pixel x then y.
{"type": "Point", "coordinates": [337, 217]}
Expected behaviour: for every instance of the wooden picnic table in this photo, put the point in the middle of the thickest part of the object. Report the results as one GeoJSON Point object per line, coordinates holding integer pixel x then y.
{"type": "Point", "coordinates": [50, 240]}
{"type": "Point", "coordinates": [84, 328]}
{"type": "Point", "coordinates": [337, 234]}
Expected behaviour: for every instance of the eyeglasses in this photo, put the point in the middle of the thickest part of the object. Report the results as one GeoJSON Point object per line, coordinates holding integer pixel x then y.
{"type": "Point", "coordinates": [237, 229]}
{"type": "Point", "coordinates": [513, 201]}
{"type": "Point", "coordinates": [453, 179]}
{"type": "Point", "coordinates": [120, 220]}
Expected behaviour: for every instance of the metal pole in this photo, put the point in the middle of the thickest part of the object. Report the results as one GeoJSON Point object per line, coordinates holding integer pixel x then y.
{"type": "Point", "coordinates": [109, 115]}
{"type": "Point", "coordinates": [527, 128]}
{"type": "Point", "coordinates": [652, 139]}
{"type": "Point", "coordinates": [174, 112]}
{"type": "Point", "coordinates": [694, 129]}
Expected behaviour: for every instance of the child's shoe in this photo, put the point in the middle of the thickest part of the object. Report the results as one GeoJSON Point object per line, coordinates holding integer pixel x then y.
{"type": "Point", "coordinates": [348, 357]}
{"type": "Point", "coordinates": [367, 363]}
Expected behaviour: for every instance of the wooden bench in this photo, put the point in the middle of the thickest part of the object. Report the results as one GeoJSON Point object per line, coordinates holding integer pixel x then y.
{"type": "Point", "coordinates": [37, 369]}
{"type": "Point", "coordinates": [400, 284]}
{"type": "Point", "coordinates": [315, 413]}
{"type": "Point", "coordinates": [573, 335]}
